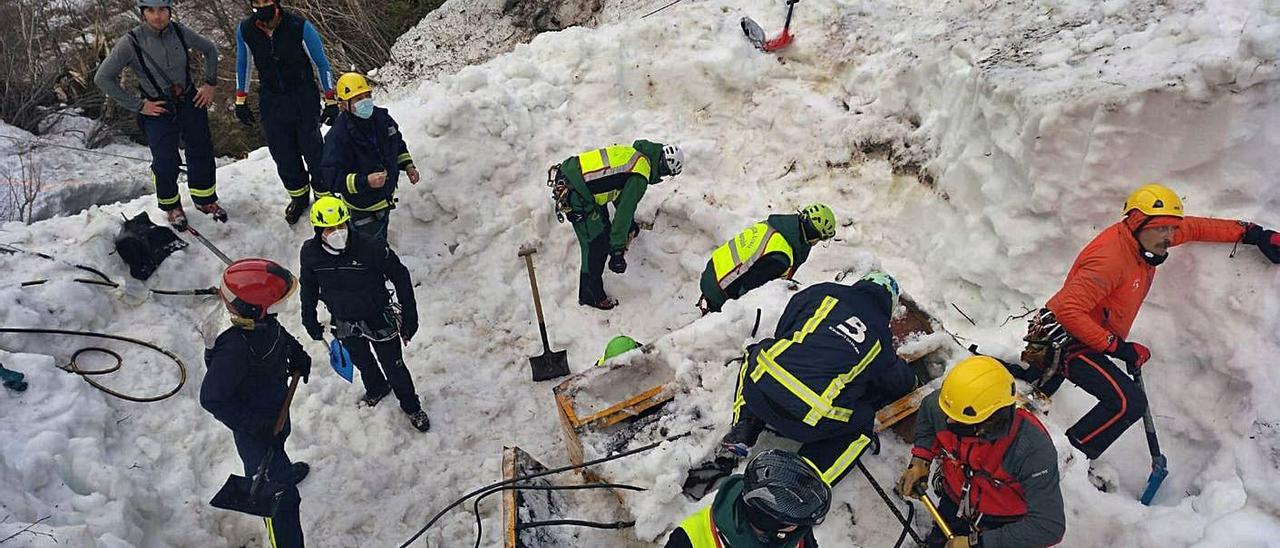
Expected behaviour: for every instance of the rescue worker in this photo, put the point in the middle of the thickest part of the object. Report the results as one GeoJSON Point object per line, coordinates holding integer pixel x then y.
{"type": "Point", "coordinates": [1101, 297]}
{"type": "Point", "coordinates": [172, 108]}
{"type": "Point", "coordinates": [363, 156]}
{"type": "Point", "coordinates": [768, 250]}
{"type": "Point", "coordinates": [247, 379]}
{"type": "Point", "coordinates": [998, 468]}
{"type": "Point", "coordinates": [349, 271]}
{"type": "Point", "coordinates": [775, 504]}
{"type": "Point", "coordinates": [819, 380]}
{"type": "Point", "coordinates": [585, 184]}
{"type": "Point", "coordinates": [284, 47]}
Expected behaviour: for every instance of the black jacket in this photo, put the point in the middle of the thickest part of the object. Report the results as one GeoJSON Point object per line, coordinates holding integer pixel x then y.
{"type": "Point", "coordinates": [843, 337]}
{"type": "Point", "coordinates": [247, 375]}
{"type": "Point", "coordinates": [352, 284]}
{"type": "Point", "coordinates": [353, 149]}
{"type": "Point", "coordinates": [282, 60]}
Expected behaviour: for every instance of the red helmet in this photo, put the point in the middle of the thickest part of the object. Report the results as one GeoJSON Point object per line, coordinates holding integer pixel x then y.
{"type": "Point", "coordinates": [250, 287]}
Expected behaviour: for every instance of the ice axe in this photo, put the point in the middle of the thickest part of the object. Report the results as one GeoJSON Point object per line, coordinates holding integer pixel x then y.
{"type": "Point", "coordinates": [548, 365]}
{"type": "Point", "coordinates": [258, 496]}
{"type": "Point", "coordinates": [1159, 464]}
{"type": "Point", "coordinates": [756, 36]}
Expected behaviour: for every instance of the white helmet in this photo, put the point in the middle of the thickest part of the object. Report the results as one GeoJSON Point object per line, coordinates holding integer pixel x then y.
{"type": "Point", "coordinates": [674, 157]}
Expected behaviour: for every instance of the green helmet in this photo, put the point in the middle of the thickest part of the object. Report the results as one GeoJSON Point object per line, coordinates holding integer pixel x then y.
{"type": "Point", "coordinates": [821, 219]}
{"type": "Point", "coordinates": [617, 346]}
{"type": "Point", "coordinates": [886, 281]}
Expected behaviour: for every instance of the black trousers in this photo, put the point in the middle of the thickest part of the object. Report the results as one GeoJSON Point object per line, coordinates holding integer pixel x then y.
{"type": "Point", "coordinates": [391, 358]}
{"type": "Point", "coordinates": [284, 530]}
{"type": "Point", "coordinates": [291, 125]}
{"type": "Point", "coordinates": [189, 124]}
{"type": "Point", "coordinates": [1120, 403]}
{"type": "Point", "coordinates": [595, 252]}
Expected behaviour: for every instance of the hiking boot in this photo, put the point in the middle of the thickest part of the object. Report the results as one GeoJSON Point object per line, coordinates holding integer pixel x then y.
{"type": "Point", "coordinates": [213, 210]}
{"type": "Point", "coordinates": [371, 399]}
{"type": "Point", "coordinates": [606, 303]}
{"type": "Point", "coordinates": [299, 470]}
{"type": "Point", "coordinates": [296, 208]}
{"type": "Point", "coordinates": [420, 420]}
{"type": "Point", "coordinates": [177, 218]}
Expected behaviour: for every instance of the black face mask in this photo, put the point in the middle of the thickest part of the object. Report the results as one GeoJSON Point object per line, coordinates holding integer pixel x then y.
{"type": "Point", "coordinates": [1153, 259]}
{"type": "Point", "coordinates": [964, 430]}
{"type": "Point", "coordinates": [265, 14]}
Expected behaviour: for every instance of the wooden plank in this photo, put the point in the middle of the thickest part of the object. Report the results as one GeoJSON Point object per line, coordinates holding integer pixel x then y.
{"type": "Point", "coordinates": [630, 407]}
{"type": "Point", "coordinates": [510, 515]}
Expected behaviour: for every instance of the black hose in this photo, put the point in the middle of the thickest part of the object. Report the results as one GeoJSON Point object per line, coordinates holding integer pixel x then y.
{"type": "Point", "coordinates": [462, 499]}
{"type": "Point", "coordinates": [577, 523]}
{"type": "Point", "coordinates": [906, 524]}
{"type": "Point", "coordinates": [475, 506]}
{"type": "Point", "coordinates": [911, 517]}
{"type": "Point", "coordinates": [87, 375]}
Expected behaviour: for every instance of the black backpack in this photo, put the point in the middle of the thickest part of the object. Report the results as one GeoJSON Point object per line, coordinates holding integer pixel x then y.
{"type": "Point", "coordinates": [143, 245]}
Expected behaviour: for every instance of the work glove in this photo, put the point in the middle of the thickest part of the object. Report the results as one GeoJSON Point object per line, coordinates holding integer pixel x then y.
{"type": "Point", "coordinates": [1132, 354]}
{"type": "Point", "coordinates": [617, 262]}
{"type": "Point", "coordinates": [961, 541]}
{"type": "Point", "coordinates": [314, 330]}
{"type": "Point", "coordinates": [913, 478]}
{"type": "Point", "coordinates": [408, 326]}
{"type": "Point", "coordinates": [245, 115]}
{"type": "Point", "coordinates": [301, 365]}
{"type": "Point", "coordinates": [330, 112]}
{"type": "Point", "coordinates": [1268, 241]}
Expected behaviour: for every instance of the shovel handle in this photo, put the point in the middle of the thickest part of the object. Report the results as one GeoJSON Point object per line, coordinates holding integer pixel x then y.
{"type": "Point", "coordinates": [537, 301]}
{"type": "Point", "coordinates": [283, 415]}
{"type": "Point", "coordinates": [937, 516]}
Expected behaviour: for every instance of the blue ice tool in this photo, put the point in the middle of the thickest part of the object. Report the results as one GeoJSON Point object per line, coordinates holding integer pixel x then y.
{"type": "Point", "coordinates": [1159, 464]}
{"type": "Point", "coordinates": [12, 379]}
{"type": "Point", "coordinates": [340, 360]}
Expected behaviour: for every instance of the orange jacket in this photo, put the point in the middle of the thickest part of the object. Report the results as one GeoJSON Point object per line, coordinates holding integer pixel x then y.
{"type": "Point", "coordinates": [1109, 280]}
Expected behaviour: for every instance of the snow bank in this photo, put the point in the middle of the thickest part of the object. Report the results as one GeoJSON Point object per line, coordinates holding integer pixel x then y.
{"type": "Point", "coordinates": [971, 149]}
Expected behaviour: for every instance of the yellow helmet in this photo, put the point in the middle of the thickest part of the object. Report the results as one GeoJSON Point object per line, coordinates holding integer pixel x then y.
{"type": "Point", "coordinates": [329, 211]}
{"type": "Point", "coordinates": [974, 389]}
{"type": "Point", "coordinates": [351, 84]}
{"type": "Point", "coordinates": [1154, 200]}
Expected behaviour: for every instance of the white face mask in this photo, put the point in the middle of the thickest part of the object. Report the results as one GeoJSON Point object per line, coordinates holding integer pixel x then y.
{"type": "Point", "coordinates": [337, 239]}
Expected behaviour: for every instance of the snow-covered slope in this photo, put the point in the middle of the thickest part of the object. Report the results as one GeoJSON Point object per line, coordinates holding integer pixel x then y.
{"type": "Point", "coordinates": [970, 148]}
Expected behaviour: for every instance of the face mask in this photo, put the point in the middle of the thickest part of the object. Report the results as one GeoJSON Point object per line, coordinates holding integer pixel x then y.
{"type": "Point", "coordinates": [1153, 259]}
{"type": "Point", "coordinates": [337, 239]}
{"type": "Point", "coordinates": [265, 14]}
{"type": "Point", "coordinates": [964, 430]}
{"type": "Point", "coordinates": [363, 108]}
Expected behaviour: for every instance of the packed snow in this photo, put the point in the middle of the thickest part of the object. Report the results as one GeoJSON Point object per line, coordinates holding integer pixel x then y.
{"type": "Point", "coordinates": [969, 148]}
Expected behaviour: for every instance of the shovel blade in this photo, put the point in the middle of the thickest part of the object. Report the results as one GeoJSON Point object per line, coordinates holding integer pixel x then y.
{"type": "Point", "coordinates": [237, 495]}
{"type": "Point", "coordinates": [340, 360]}
{"type": "Point", "coordinates": [1159, 471]}
{"type": "Point", "coordinates": [752, 30]}
{"type": "Point", "coordinates": [549, 365]}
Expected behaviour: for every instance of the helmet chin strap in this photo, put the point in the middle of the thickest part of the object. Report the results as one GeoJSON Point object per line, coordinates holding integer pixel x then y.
{"type": "Point", "coordinates": [1147, 256]}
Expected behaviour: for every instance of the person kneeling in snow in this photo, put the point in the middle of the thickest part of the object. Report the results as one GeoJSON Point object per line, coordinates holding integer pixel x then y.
{"type": "Point", "coordinates": [247, 379]}
{"type": "Point", "coordinates": [364, 153]}
{"type": "Point", "coordinates": [1100, 299]}
{"type": "Point", "coordinates": [349, 272]}
{"type": "Point", "coordinates": [998, 476]}
{"type": "Point", "coordinates": [819, 381]}
{"type": "Point", "coordinates": [769, 250]}
{"type": "Point", "coordinates": [584, 185]}
{"type": "Point", "coordinates": [774, 504]}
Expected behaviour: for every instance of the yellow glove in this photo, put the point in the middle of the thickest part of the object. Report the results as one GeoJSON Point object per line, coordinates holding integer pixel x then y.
{"type": "Point", "coordinates": [916, 473]}
{"type": "Point", "coordinates": [962, 541]}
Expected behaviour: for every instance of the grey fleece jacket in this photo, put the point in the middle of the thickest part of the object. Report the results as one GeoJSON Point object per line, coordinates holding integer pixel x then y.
{"type": "Point", "coordinates": [1032, 460]}
{"type": "Point", "coordinates": [166, 50]}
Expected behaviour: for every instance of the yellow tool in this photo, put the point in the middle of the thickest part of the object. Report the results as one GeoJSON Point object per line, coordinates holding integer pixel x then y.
{"type": "Point", "coordinates": [937, 517]}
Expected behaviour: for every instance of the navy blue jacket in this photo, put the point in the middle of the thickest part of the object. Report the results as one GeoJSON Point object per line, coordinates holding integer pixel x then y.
{"type": "Point", "coordinates": [353, 284]}
{"type": "Point", "coordinates": [353, 149]}
{"type": "Point", "coordinates": [284, 59]}
{"type": "Point", "coordinates": [247, 375]}
{"type": "Point", "coordinates": [856, 321]}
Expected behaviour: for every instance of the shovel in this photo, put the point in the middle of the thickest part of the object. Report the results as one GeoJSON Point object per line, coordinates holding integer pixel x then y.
{"type": "Point", "coordinates": [258, 496]}
{"type": "Point", "coordinates": [756, 35]}
{"type": "Point", "coordinates": [1159, 464]}
{"type": "Point", "coordinates": [550, 364]}
{"type": "Point", "coordinates": [340, 360]}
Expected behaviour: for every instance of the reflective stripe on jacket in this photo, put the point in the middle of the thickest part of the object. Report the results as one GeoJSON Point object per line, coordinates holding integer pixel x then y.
{"type": "Point", "coordinates": [735, 257]}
